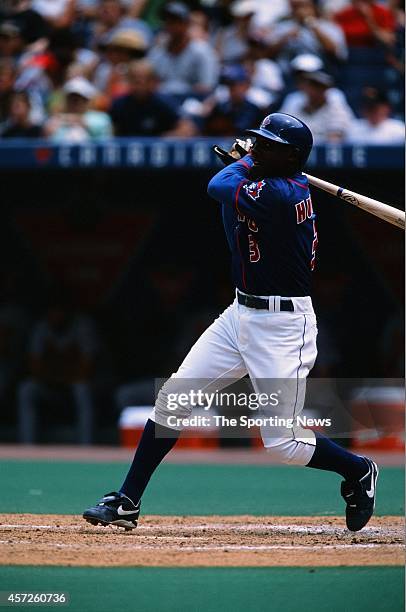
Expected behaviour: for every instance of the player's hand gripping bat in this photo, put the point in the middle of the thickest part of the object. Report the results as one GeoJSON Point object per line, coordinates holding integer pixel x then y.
{"type": "Point", "coordinates": [237, 151]}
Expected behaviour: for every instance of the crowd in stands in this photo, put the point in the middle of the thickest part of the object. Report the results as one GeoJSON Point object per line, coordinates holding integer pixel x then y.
{"type": "Point", "coordinates": [77, 70]}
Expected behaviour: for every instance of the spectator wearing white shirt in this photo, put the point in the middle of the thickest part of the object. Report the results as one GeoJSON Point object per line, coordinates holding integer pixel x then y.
{"type": "Point", "coordinates": [377, 126]}
{"type": "Point", "coordinates": [323, 108]}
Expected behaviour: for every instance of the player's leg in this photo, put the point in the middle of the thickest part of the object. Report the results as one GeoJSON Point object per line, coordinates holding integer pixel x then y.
{"type": "Point", "coordinates": [288, 358]}
{"type": "Point", "coordinates": [211, 363]}
{"type": "Point", "coordinates": [280, 352]}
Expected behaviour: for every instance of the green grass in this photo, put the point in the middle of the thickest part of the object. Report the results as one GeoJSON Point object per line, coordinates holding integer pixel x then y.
{"type": "Point", "coordinates": [68, 487]}
{"type": "Point", "coordinates": [279, 589]}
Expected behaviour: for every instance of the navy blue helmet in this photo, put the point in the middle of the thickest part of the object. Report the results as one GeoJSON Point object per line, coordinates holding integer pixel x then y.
{"type": "Point", "coordinates": [287, 130]}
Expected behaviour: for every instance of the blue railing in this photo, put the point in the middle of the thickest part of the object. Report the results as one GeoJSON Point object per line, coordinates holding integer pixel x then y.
{"type": "Point", "coordinates": [158, 153]}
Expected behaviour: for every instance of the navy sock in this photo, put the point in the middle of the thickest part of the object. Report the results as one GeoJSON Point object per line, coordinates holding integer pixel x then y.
{"type": "Point", "coordinates": [156, 442]}
{"type": "Point", "coordinates": [330, 456]}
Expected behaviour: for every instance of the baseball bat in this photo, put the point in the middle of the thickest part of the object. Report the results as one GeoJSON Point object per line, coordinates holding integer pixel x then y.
{"type": "Point", "coordinates": [374, 207]}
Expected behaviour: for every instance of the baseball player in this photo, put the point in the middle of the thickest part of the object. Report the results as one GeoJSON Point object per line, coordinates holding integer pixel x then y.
{"type": "Point", "coordinates": [268, 332]}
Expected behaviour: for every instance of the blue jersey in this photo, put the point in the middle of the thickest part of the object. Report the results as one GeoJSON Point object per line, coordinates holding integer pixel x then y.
{"type": "Point", "coordinates": [270, 228]}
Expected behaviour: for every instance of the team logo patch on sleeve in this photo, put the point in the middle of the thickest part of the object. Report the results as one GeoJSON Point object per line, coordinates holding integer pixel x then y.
{"type": "Point", "coordinates": [254, 189]}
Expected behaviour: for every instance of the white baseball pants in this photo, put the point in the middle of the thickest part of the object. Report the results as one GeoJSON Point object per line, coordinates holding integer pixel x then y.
{"type": "Point", "coordinates": [275, 348]}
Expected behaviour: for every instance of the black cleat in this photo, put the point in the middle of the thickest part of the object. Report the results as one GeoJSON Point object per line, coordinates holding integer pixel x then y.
{"type": "Point", "coordinates": [114, 509]}
{"type": "Point", "coordinates": [359, 496]}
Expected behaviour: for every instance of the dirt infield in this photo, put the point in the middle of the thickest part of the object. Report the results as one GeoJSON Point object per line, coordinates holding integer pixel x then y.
{"type": "Point", "coordinates": [256, 456]}
{"type": "Point", "coordinates": [33, 539]}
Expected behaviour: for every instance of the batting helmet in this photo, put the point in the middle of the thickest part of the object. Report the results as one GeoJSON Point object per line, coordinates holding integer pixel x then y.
{"type": "Point", "coordinates": [287, 130]}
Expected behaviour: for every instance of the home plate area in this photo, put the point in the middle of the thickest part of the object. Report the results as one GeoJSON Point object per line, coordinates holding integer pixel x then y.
{"type": "Point", "coordinates": [39, 539]}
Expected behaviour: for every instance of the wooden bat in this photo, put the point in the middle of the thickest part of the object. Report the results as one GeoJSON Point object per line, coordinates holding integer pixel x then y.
{"type": "Point", "coordinates": [374, 207]}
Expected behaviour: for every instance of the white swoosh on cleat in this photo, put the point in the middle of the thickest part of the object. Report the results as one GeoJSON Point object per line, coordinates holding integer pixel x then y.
{"type": "Point", "coordinates": [122, 512]}
{"type": "Point", "coordinates": [371, 492]}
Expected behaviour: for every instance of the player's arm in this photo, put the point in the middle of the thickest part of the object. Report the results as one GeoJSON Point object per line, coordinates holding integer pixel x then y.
{"type": "Point", "coordinates": [224, 184]}
{"type": "Point", "coordinates": [233, 186]}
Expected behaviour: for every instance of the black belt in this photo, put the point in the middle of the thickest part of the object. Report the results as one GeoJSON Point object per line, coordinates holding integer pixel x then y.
{"type": "Point", "coordinates": [251, 301]}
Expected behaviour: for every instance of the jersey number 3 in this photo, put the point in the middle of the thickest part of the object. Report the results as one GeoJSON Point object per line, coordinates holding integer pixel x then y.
{"type": "Point", "coordinates": [255, 255]}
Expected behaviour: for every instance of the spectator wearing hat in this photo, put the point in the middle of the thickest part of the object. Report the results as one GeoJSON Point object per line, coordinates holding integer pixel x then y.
{"type": "Point", "coordinates": [304, 64]}
{"type": "Point", "coordinates": [184, 65]}
{"type": "Point", "coordinates": [144, 111]}
{"type": "Point", "coordinates": [329, 117]}
{"type": "Point", "coordinates": [305, 32]}
{"type": "Point", "coordinates": [18, 124]}
{"type": "Point", "coordinates": [367, 24]}
{"type": "Point", "coordinates": [125, 45]}
{"type": "Point", "coordinates": [237, 112]}
{"type": "Point", "coordinates": [111, 75]}
{"type": "Point", "coordinates": [77, 122]}
{"type": "Point", "coordinates": [376, 127]}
